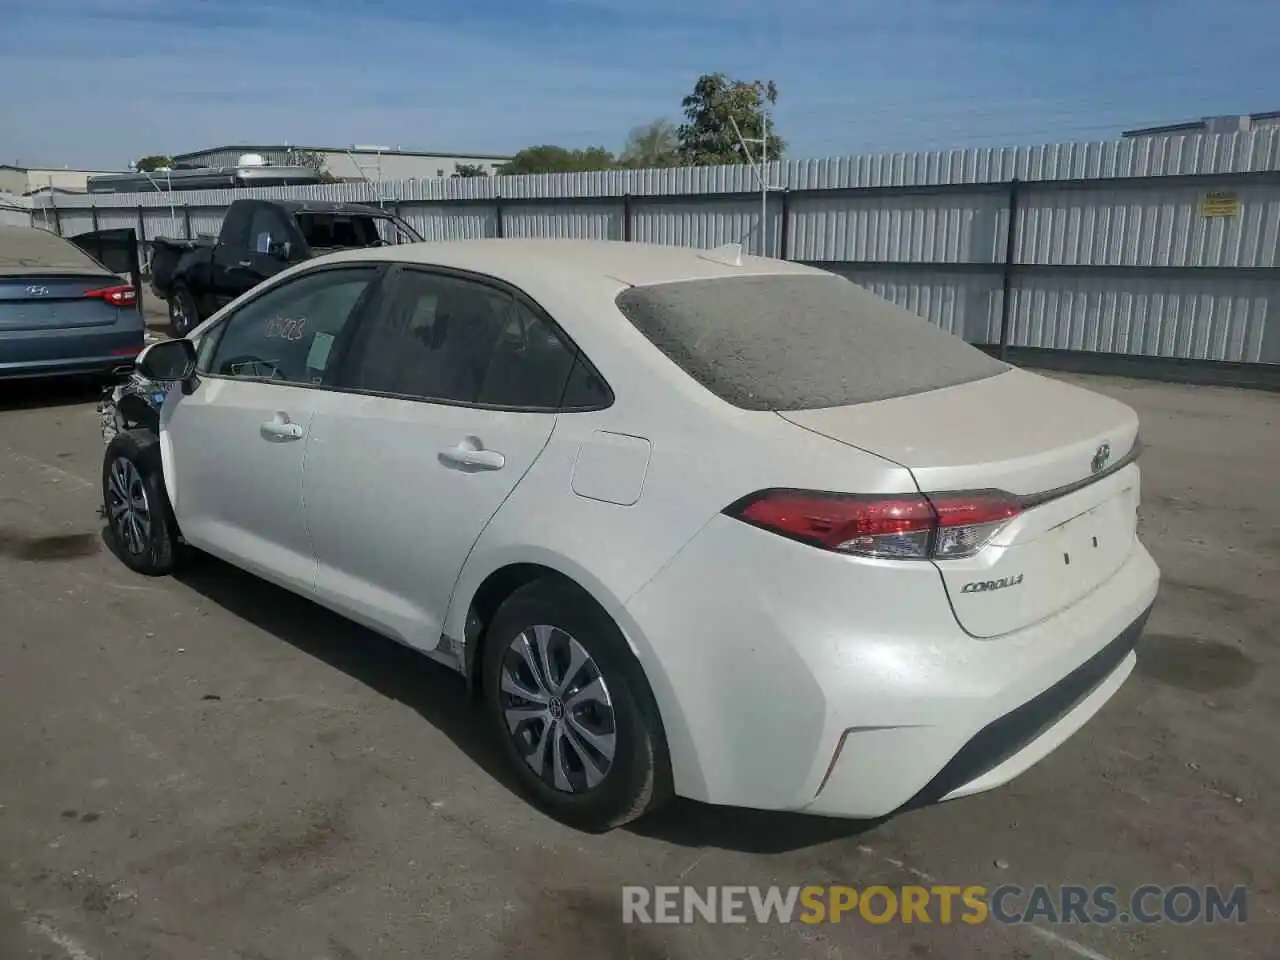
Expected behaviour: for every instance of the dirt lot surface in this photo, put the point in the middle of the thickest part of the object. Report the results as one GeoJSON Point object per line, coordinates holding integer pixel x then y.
{"type": "Point", "coordinates": [155, 312]}
{"type": "Point", "coordinates": [208, 767]}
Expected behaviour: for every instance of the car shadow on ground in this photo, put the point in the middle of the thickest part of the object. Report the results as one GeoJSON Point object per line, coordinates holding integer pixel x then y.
{"type": "Point", "coordinates": [440, 697]}
{"type": "Point", "coordinates": [52, 392]}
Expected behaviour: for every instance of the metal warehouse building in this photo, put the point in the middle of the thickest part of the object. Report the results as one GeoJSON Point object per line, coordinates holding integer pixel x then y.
{"type": "Point", "coordinates": [1235, 123]}
{"type": "Point", "coordinates": [24, 181]}
{"type": "Point", "coordinates": [360, 162]}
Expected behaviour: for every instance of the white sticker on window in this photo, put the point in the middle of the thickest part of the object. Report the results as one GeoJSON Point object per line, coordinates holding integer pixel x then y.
{"type": "Point", "coordinates": [318, 355]}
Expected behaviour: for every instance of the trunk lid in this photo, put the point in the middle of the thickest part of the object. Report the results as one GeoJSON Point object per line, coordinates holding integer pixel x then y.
{"type": "Point", "coordinates": [55, 302]}
{"type": "Point", "coordinates": [1063, 451]}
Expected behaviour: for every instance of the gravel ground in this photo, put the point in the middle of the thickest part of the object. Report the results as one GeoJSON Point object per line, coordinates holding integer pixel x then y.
{"type": "Point", "coordinates": [208, 767]}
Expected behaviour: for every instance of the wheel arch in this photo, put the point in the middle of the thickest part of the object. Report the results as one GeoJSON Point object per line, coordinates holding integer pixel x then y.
{"type": "Point", "coordinates": [506, 575]}
{"type": "Point", "coordinates": [483, 602]}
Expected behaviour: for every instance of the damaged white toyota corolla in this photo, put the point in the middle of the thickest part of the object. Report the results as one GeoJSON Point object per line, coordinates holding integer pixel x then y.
{"type": "Point", "coordinates": [693, 523]}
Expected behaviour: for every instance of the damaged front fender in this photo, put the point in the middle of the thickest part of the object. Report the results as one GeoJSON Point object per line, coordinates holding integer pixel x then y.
{"type": "Point", "coordinates": [130, 405]}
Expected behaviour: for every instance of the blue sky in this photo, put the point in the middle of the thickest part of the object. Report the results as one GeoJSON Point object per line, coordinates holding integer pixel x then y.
{"type": "Point", "coordinates": [98, 82]}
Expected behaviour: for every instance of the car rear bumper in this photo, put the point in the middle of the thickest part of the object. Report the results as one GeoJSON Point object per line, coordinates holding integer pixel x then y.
{"type": "Point", "coordinates": [1010, 744]}
{"type": "Point", "coordinates": [793, 679]}
{"type": "Point", "coordinates": [68, 353]}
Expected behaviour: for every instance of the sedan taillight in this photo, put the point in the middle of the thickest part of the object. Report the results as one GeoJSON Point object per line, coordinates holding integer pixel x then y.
{"type": "Point", "coordinates": [119, 296]}
{"type": "Point", "coordinates": [908, 527]}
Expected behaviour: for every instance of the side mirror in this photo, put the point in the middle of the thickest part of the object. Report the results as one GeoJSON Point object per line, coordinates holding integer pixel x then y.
{"type": "Point", "coordinates": [279, 248]}
{"type": "Point", "coordinates": [168, 361]}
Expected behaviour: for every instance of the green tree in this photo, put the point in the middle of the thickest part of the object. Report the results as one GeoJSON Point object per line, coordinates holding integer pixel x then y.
{"type": "Point", "coordinates": [707, 136]}
{"type": "Point", "coordinates": [469, 170]}
{"type": "Point", "coordinates": [154, 161]}
{"type": "Point", "coordinates": [655, 144]}
{"type": "Point", "coordinates": [313, 160]}
{"type": "Point", "coordinates": [548, 158]}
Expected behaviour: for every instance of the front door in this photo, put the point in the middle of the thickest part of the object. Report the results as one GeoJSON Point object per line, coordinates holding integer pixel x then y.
{"type": "Point", "coordinates": [237, 442]}
{"type": "Point", "coordinates": [267, 250]}
{"type": "Point", "coordinates": [445, 401]}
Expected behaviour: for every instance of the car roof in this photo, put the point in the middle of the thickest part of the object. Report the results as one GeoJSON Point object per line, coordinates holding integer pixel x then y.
{"type": "Point", "coordinates": [571, 262]}
{"type": "Point", "coordinates": [327, 206]}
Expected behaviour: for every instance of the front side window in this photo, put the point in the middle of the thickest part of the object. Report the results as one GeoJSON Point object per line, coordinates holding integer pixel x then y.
{"type": "Point", "coordinates": [290, 332]}
{"type": "Point", "coordinates": [451, 339]}
{"type": "Point", "coordinates": [235, 228]}
{"type": "Point", "coordinates": [267, 229]}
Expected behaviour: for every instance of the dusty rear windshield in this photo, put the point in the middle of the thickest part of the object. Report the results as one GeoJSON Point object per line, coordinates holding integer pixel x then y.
{"type": "Point", "coordinates": [799, 342]}
{"type": "Point", "coordinates": [29, 251]}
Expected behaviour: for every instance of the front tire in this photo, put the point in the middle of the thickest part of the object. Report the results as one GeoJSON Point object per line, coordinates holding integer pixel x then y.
{"type": "Point", "coordinates": [184, 313]}
{"type": "Point", "coordinates": [138, 513]}
{"type": "Point", "coordinates": [572, 710]}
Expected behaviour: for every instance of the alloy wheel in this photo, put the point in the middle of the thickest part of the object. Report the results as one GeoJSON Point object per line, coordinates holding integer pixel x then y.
{"type": "Point", "coordinates": [129, 509]}
{"type": "Point", "coordinates": [558, 709]}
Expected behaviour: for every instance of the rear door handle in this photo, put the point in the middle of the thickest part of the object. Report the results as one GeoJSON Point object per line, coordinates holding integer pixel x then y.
{"type": "Point", "coordinates": [476, 458]}
{"type": "Point", "coordinates": [246, 263]}
{"type": "Point", "coordinates": [281, 429]}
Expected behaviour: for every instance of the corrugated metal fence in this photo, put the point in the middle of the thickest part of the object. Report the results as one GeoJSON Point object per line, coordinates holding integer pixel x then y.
{"type": "Point", "coordinates": [1149, 247]}
{"type": "Point", "coordinates": [14, 211]}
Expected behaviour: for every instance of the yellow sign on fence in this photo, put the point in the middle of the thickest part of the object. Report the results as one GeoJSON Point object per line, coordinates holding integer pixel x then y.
{"type": "Point", "coordinates": [1220, 203]}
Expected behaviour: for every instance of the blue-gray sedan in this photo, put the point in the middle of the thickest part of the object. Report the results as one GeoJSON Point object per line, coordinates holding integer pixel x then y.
{"type": "Point", "coordinates": [62, 313]}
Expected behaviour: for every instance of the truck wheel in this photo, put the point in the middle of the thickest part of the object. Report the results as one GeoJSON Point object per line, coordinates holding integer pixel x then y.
{"type": "Point", "coordinates": [141, 520]}
{"type": "Point", "coordinates": [184, 314]}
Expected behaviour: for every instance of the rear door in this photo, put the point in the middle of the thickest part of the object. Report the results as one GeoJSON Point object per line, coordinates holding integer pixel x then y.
{"type": "Point", "coordinates": [117, 250]}
{"type": "Point", "coordinates": [447, 398]}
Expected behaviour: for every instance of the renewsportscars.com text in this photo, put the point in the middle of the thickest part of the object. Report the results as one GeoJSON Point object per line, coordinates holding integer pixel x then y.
{"type": "Point", "coordinates": [975, 904]}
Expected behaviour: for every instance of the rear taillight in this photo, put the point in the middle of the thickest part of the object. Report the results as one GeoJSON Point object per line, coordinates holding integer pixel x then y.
{"type": "Point", "coordinates": [942, 527]}
{"type": "Point", "coordinates": [968, 521]}
{"type": "Point", "coordinates": [121, 296]}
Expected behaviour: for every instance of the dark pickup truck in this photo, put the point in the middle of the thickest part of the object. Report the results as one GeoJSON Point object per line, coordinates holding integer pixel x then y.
{"type": "Point", "coordinates": [258, 239]}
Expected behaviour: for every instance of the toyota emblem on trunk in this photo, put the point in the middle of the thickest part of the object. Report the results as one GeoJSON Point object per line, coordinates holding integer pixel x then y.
{"type": "Point", "coordinates": [1100, 458]}
{"type": "Point", "coordinates": [37, 291]}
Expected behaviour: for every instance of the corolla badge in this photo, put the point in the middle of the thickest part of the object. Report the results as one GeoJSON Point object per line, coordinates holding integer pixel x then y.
{"type": "Point", "coordinates": [37, 291]}
{"type": "Point", "coordinates": [1100, 458]}
{"type": "Point", "coordinates": [984, 586]}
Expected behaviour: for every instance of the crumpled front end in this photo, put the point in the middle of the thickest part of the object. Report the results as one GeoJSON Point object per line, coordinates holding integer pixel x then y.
{"type": "Point", "coordinates": [131, 404]}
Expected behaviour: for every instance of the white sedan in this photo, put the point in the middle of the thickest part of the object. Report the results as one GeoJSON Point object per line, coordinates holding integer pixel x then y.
{"type": "Point", "coordinates": [688, 522]}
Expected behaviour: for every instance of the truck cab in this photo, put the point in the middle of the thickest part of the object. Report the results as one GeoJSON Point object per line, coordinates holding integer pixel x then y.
{"type": "Point", "coordinates": [258, 239]}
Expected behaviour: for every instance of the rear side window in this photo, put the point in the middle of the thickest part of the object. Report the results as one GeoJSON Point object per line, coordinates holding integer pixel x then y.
{"type": "Point", "coordinates": [338, 230]}
{"type": "Point", "coordinates": [27, 249]}
{"type": "Point", "coordinates": [451, 339]}
{"type": "Point", "coordinates": [799, 342]}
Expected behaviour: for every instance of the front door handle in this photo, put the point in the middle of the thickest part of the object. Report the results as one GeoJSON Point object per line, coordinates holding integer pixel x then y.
{"type": "Point", "coordinates": [281, 429]}
{"type": "Point", "coordinates": [246, 263]}
{"type": "Point", "coordinates": [469, 454]}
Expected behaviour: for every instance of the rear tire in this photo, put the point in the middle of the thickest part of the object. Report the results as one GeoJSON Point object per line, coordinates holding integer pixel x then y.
{"type": "Point", "coordinates": [587, 746]}
{"type": "Point", "coordinates": [184, 312]}
{"type": "Point", "coordinates": [139, 517]}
